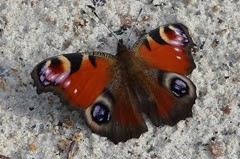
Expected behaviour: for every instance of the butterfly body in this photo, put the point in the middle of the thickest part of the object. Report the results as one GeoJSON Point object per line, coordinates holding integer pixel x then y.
{"type": "Point", "coordinates": [115, 91]}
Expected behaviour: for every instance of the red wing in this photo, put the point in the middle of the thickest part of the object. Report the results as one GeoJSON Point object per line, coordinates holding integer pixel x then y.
{"type": "Point", "coordinates": [171, 98]}
{"type": "Point", "coordinates": [114, 115]}
{"type": "Point", "coordinates": [167, 48]}
{"type": "Point", "coordinates": [76, 78]}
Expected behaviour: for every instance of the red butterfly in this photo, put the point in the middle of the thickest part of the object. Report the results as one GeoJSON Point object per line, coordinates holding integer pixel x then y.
{"type": "Point", "coordinates": [114, 91]}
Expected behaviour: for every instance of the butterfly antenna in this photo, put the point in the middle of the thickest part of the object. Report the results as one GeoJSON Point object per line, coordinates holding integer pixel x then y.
{"type": "Point", "coordinates": [93, 10]}
{"type": "Point", "coordinates": [135, 22]}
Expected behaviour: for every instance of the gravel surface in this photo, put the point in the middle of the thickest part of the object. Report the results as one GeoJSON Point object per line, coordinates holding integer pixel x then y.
{"type": "Point", "coordinates": [39, 126]}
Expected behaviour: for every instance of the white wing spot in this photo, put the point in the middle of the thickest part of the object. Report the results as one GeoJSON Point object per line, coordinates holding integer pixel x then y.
{"type": "Point", "coordinates": [75, 91]}
{"type": "Point", "coordinates": [67, 83]}
{"type": "Point", "coordinates": [178, 57]}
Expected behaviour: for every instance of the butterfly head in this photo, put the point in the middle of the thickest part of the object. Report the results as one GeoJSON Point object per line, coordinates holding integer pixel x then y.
{"type": "Point", "coordinates": [121, 48]}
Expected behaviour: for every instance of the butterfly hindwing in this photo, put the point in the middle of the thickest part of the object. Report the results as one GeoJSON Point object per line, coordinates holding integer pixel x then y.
{"type": "Point", "coordinates": [165, 97]}
{"type": "Point", "coordinates": [115, 115]}
{"type": "Point", "coordinates": [167, 48]}
{"type": "Point", "coordinates": [77, 78]}
{"type": "Point", "coordinates": [174, 96]}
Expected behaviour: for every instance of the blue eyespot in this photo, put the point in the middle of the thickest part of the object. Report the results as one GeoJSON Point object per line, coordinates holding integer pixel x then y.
{"type": "Point", "coordinates": [179, 87]}
{"type": "Point", "coordinates": [100, 113]}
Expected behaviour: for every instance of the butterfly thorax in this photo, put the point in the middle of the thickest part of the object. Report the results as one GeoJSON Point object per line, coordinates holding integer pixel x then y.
{"type": "Point", "coordinates": [125, 57]}
{"type": "Point", "coordinates": [126, 62]}
{"type": "Point", "coordinates": [129, 72]}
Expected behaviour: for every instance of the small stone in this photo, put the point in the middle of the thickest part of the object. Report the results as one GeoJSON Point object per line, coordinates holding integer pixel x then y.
{"type": "Point", "coordinates": [68, 123]}
{"type": "Point", "coordinates": [50, 100]}
{"type": "Point", "coordinates": [221, 32]}
{"type": "Point", "coordinates": [147, 18]}
{"type": "Point", "coordinates": [215, 43]}
{"type": "Point", "coordinates": [66, 44]}
{"type": "Point", "coordinates": [66, 27]}
{"type": "Point", "coordinates": [220, 20]}
{"type": "Point", "coordinates": [216, 8]}
{"type": "Point", "coordinates": [226, 110]}
{"type": "Point", "coordinates": [14, 70]}
{"type": "Point", "coordinates": [3, 85]}
{"type": "Point", "coordinates": [99, 2]}
{"type": "Point", "coordinates": [216, 148]}
{"type": "Point", "coordinates": [4, 71]}
{"type": "Point", "coordinates": [75, 27]}
{"type": "Point", "coordinates": [32, 147]}
{"type": "Point", "coordinates": [77, 137]}
{"type": "Point", "coordinates": [83, 22]}
{"type": "Point", "coordinates": [34, 4]}
{"type": "Point", "coordinates": [63, 143]}
{"type": "Point", "coordinates": [126, 21]}
{"type": "Point", "coordinates": [49, 20]}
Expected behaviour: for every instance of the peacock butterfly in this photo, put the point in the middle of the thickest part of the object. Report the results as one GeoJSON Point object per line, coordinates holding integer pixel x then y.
{"type": "Point", "coordinates": [115, 91]}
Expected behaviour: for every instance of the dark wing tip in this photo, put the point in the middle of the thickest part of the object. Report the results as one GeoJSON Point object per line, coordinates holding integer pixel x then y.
{"type": "Point", "coordinates": [36, 81]}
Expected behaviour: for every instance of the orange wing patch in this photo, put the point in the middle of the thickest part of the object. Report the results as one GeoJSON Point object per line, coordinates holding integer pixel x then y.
{"type": "Point", "coordinates": [83, 87]}
{"type": "Point", "coordinates": [165, 57]}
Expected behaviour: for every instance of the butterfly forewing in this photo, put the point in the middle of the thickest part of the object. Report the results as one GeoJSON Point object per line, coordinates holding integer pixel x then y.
{"type": "Point", "coordinates": [77, 78]}
{"type": "Point", "coordinates": [167, 48]}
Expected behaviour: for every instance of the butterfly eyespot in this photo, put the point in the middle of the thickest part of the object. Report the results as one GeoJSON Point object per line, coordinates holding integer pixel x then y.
{"type": "Point", "coordinates": [100, 113]}
{"type": "Point", "coordinates": [175, 34]}
{"type": "Point", "coordinates": [53, 72]}
{"type": "Point", "coordinates": [43, 74]}
{"type": "Point", "coordinates": [179, 87]}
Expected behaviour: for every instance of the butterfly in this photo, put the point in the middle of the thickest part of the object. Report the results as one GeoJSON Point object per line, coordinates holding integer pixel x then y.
{"type": "Point", "coordinates": [114, 91]}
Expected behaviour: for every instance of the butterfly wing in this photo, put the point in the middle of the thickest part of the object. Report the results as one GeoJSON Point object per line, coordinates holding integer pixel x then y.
{"type": "Point", "coordinates": [113, 114]}
{"type": "Point", "coordinates": [77, 78]}
{"type": "Point", "coordinates": [167, 48]}
{"type": "Point", "coordinates": [84, 81]}
{"type": "Point", "coordinates": [167, 52]}
{"type": "Point", "coordinates": [171, 98]}
{"type": "Point", "coordinates": [180, 96]}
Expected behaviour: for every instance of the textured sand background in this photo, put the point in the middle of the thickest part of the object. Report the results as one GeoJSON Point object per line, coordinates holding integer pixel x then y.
{"type": "Point", "coordinates": [39, 126]}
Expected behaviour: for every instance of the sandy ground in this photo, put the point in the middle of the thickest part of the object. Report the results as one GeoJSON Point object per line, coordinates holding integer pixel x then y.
{"type": "Point", "coordinates": [39, 126]}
